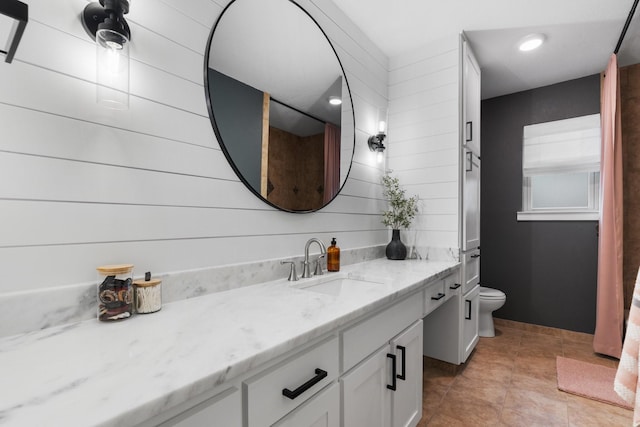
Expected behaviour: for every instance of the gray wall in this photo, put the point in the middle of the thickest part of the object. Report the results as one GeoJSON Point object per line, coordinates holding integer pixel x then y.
{"type": "Point", "coordinates": [548, 270]}
{"type": "Point", "coordinates": [237, 108]}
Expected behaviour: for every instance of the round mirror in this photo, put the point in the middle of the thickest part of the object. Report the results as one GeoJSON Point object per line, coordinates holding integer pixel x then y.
{"type": "Point", "coordinates": [279, 103]}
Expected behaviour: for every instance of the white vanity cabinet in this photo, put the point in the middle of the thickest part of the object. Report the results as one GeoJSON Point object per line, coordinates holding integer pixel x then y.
{"type": "Point", "coordinates": [366, 399]}
{"type": "Point", "coordinates": [384, 387]}
{"type": "Point", "coordinates": [322, 410]}
{"type": "Point", "coordinates": [470, 336]}
{"type": "Point", "coordinates": [224, 410]}
{"type": "Point", "coordinates": [385, 390]}
{"type": "Point", "coordinates": [451, 331]}
{"type": "Point", "coordinates": [366, 373]}
{"type": "Point", "coordinates": [439, 292]}
{"type": "Point", "coordinates": [470, 303]}
{"type": "Point", "coordinates": [406, 400]}
{"type": "Point", "coordinates": [276, 391]}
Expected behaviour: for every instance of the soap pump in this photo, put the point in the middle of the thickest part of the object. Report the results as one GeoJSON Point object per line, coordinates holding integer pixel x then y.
{"type": "Point", "coordinates": [333, 256]}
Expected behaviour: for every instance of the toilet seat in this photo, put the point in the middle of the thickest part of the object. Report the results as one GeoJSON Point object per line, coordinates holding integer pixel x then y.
{"type": "Point", "coordinates": [490, 293]}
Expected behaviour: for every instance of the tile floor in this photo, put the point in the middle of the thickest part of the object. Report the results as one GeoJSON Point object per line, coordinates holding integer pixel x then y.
{"type": "Point", "coordinates": [510, 380]}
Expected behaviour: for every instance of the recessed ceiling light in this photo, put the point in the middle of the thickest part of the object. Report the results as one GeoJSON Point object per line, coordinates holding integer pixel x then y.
{"type": "Point", "coordinates": [530, 42]}
{"type": "Point", "coordinates": [335, 100]}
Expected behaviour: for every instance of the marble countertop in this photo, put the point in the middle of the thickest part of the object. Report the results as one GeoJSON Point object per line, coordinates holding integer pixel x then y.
{"type": "Point", "coordinates": [123, 373]}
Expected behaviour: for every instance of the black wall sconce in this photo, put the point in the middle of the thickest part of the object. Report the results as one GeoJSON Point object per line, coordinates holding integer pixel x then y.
{"type": "Point", "coordinates": [105, 23]}
{"type": "Point", "coordinates": [19, 12]}
{"type": "Point", "coordinates": [375, 141]}
{"type": "Point", "coordinates": [376, 145]}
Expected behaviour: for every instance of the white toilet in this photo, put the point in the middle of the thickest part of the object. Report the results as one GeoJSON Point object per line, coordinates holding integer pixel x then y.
{"type": "Point", "coordinates": [490, 300]}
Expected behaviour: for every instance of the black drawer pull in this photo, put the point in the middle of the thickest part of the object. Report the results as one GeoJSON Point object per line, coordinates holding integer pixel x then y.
{"type": "Point", "coordinates": [320, 375]}
{"type": "Point", "coordinates": [468, 316]}
{"type": "Point", "coordinates": [438, 297]}
{"type": "Point", "coordinates": [454, 287]}
{"type": "Point", "coordinates": [469, 129]}
{"type": "Point", "coordinates": [475, 256]}
{"type": "Point", "coordinates": [393, 372]}
{"type": "Point", "coordinates": [403, 375]}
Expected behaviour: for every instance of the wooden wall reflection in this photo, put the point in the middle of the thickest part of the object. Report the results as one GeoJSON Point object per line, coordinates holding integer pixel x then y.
{"type": "Point", "coordinates": [296, 170]}
{"type": "Point", "coordinates": [630, 108]}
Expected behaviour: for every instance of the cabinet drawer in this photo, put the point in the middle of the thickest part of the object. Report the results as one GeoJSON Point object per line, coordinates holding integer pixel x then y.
{"type": "Point", "coordinates": [221, 410]}
{"type": "Point", "coordinates": [322, 410]}
{"type": "Point", "coordinates": [302, 375]}
{"type": "Point", "coordinates": [452, 285]}
{"type": "Point", "coordinates": [434, 296]}
{"type": "Point", "coordinates": [369, 335]}
{"type": "Point", "coordinates": [470, 270]}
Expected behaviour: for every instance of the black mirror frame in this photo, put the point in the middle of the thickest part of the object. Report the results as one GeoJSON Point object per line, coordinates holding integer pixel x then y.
{"type": "Point", "coordinates": [217, 131]}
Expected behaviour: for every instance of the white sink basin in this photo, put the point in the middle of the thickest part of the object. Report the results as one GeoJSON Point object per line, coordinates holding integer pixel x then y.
{"type": "Point", "coordinates": [336, 285]}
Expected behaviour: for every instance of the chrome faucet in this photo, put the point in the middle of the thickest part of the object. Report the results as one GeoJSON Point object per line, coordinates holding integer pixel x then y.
{"type": "Point", "coordinates": [306, 270]}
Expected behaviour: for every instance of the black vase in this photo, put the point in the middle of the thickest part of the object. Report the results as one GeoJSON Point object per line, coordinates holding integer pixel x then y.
{"type": "Point", "coordinates": [396, 249]}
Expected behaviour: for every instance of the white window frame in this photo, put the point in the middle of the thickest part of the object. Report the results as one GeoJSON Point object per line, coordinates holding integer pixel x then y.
{"type": "Point", "coordinates": [589, 213]}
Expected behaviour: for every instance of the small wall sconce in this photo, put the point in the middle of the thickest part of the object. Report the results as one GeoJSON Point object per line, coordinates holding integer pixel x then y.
{"type": "Point", "coordinates": [105, 23]}
{"type": "Point", "coordinates": [19, 12]}
{"type": "Point", "coordinates": [375, 141]}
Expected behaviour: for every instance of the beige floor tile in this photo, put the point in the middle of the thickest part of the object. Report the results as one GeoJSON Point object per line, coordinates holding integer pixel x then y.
{"type": "Point", "coordinates": [510, 380]}
{"type": "Point", "coordinates": [493, 392]}
{"type": "Point", "coordinates": [513, 418]}
{"type": "Point", "coordinates": [500, 323]}
{"type": "Point", "coordinates": [434, 376]}
{"type": "Point", "coordinates": [533, 339]}
{"type": "Point", "coordinates": [546, 386]}
{"type": "Point", "coordinates": [584, 352]}
{"type": "Point", "coordinates": [535, 404]}
{"type": "Point", "coordinates": [470, 410]}
{"type": "Point", "coordinates": [542, 330]}
{"type": "Point", "coordinates": [571, 336]}
{"type": "Point", "coordinates": [488, 371]}
{"type": "Point", "coordinates": [590, 413]}
{"type": "Point", "coordinates": [441, 420]}
{"type": "Point", "coordinates": [506, 331]}
{"type": "Point", "coordinates": [432, 396]}
{"type": "Point", "coordinates": [536, 350]}
{"type": "Point", "coordinates": [542, 367]}
{"type": "Point", "coordinates": [504, 355]}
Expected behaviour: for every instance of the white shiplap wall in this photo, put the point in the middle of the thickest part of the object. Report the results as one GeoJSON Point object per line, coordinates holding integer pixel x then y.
{"type": "Point", "coordinates": [424, 136]}
{"type": "Point", "coordinates": [82, 186]}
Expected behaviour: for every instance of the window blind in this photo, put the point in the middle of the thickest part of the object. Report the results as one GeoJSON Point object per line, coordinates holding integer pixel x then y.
{"type": "Point", "coordinates": [570, 145]}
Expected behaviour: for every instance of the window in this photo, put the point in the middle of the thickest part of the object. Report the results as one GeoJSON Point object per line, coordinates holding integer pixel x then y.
{"type": "Point", "coordinates": [561, 170]}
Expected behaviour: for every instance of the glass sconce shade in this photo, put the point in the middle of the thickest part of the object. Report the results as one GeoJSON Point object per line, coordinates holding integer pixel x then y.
{"type": "Point", "coordinates": [112, 67]}
{"type": "Point", "coordinates": [105, 23]}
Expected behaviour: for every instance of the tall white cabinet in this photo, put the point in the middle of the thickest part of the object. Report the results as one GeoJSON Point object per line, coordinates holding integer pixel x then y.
{"type": "Point", "coordinates": [470, 200]}
{"type": "Point", "coordinates": [463, 311]}
{"type": "Point", "coordinates": [385, 390]}
{"type": "Point", "coordinates": [471, 98]}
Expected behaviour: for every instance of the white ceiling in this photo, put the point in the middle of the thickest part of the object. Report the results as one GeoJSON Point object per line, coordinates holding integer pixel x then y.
{"type": "Point", "coordinates": [581, 35]}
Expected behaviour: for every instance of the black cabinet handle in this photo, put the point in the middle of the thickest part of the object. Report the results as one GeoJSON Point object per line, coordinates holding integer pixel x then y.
{"type": "Point", "coordinates": [393, 372]}
{"type": "Point", "coordinates": [320, 375]}
{"type": "Point", "coordinates": [454, 287]}
{"type": "Point", "coordinates": [469, 126]}
{"type": "Point", "coordinates": [475, 256]}
{"type": "Point", "coordinates": [403, 376]}
{"type": "Point", "coordinates": [468, 315]}
{"type": "Point", "coordinates": [438, 297]}
{"type": "Point", "coordinates": [470, 160]}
